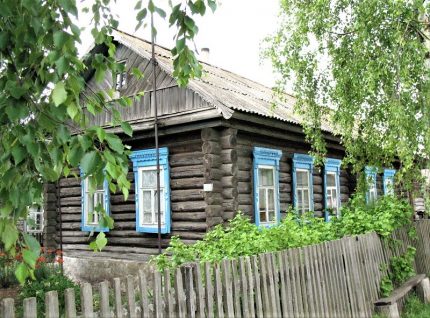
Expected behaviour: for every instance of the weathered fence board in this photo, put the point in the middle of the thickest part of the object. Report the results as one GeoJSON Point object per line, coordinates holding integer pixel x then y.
{"type": "Point", "coordinates": [340, 278]}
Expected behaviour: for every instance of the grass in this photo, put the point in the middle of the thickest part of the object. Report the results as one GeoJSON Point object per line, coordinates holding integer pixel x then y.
{"type": "Point", "coordinates": [415, 308]}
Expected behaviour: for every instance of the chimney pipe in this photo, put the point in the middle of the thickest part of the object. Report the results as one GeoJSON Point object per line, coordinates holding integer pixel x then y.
{"type": "Point", "coordinates": [204, 53]}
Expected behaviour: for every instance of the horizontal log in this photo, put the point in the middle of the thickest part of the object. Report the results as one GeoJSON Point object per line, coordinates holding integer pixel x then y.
{"type": "Point", "coordinates": [317, 180]}
{"type": "Point", "coordinates": [213, 198]}
{"type": "Point", "coordinates": [73, 233]}
{"type": "Point", "coordinates": [186, 172]}
{"type": "Point", "coordinates": [245, 199]}
{"type": "Point", "coordinates": [229, 215]}
{"type": "Point", "coordinates": [212, 161]}
{"type": "Point", "coordinates": [50, 198]}
{"type": "Point", "coordinates": [284, 166]}
{"type": "Point", "coordinates": [211, 147]}
{"type": "Point", "coordinates": [71, 210]}
{"type": "Point", "coordinates": [244, 176]}
{"type": "Point", "coordinates": [188, 206]}
{"type": "Point", "coordinates": [187, 195]}
{"type": "Point", "coordinates": [245, 164]}
{"type": "Point", "coordinates": [230, 205]}
{"type": "Point", "coordinates": [71, 201]}
{"type": "Point", "coordinates": [108, 248]}
{"type": "Point", "coordinates": [189, 226]}
{"type": "Point", "coordinates": [228, 141]}
{"type": "Point", "coordinates": [119, 198]}
{"type": "Point", "coordinates": [344, 189]}
{"type": "Point", "coordinates": [189, 235]}
{"type": "Point", "coordinates": [71, 217]}
{"type": "Point", "coordinates": [123, 207]}
{"type": "Point", "coordinates": [229, 156]}
{"type": "Point", "coordinates": [245, 209]}
{"type": "Point", "coordinates": [318, 197]}
{"type": "Point", "coordinates": [285, 197]}
{"type": "Point", "coordinates": [285, 187]}
{"type": "Point", "coordinates": [187, 183]}
{"type": "Point", "coordinates": [186, 159]}
{"type": "Point", "coordinates": [213, 174]}
{"type": "Point", "coordinates": [318, 189]}
{"type": "Point", "coordinates": [189, 216]}
{"type": "Point", "coordinates": [70, 182]}
{"type": "Point", "coordinates": [285, 177]}
{"type": "Point", "coordinates": [244, 187]}
{"type": "Point", "coordinates": [229, 181]}
{"type": "Point", "coordinates": [229, 169]}
{"type": "Point", "coordinates": [318, 206]}
{"type": "Point", "coordinates": [210, 134]}
{"type": "Point", "coordinates": [70, 192]}
{"type": "Point", "coordinates": [229, 193]}
{"type": "Point", "coordinates": [214, 221]}
{"type": "Point", "coordinates": [213, 211]}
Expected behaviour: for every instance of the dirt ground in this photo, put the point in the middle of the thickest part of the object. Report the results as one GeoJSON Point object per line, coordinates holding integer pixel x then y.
{"type": "Point", "coordinates": [9, 293]}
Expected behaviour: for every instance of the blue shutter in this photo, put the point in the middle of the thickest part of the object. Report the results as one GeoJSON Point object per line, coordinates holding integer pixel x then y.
{"type": "Point", "coordinates": [266, 157]}
{"type": "Point", "coordinates": [306, 162]}
{"type": "Point", "coordinates": [147, 158]}
{"type": "Point", "coordinates": [84, 226]}
{"type": "Point", "coordinates": [388, 174]}
{"type": "Point", "coordinates": [331, 165]}
{"type": "Point", "coordinates": [370, 172]}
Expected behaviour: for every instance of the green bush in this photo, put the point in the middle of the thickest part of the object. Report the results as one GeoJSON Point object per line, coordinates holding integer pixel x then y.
{"type": "Point", "coordinates": [241, 237]}
{"type": "Point", "coordinates": [50, 279]}
{"type": "Point", "coordinates": [7, 271]}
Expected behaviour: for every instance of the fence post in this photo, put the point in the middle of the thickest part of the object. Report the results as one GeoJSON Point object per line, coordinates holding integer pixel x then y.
{"type": "Point", "coordinates": [117, 293]}
{"type": "Point", "coordinates": [144, 294]}
{"type": "Point", "coordinates": [131, 297]}
{"type": "Point", "coordinates": [87, 300]}
{"type": "Point", "coordinates": [104, 300]}
{"type": "Point", "coordinates": [8, 306]}
{"type": "Point", "coordinates": [70, 302]}
{"type": "Point", "coordinates": [423, 290]}
{"type": "Point", "coordinates": [30, 307]}
{"type": "Point", "coordinates": [51, 304]}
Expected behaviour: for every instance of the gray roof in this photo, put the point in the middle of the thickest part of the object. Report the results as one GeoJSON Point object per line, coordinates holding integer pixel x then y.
{"type": "Point", "coordinates": [226, 91]}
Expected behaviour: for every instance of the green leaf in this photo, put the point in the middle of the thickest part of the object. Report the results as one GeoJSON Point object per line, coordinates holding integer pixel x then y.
{"type": "Point", "coordinates": [90, 161]}
{"type": "Point", "coordinates": [59, 94]}
{"type": "Point", "coordinates": [18, 153]}
{"type": "Point", "coordinates": [60, 38]}
{"type": "Point", "coordinates": [75, 155]}
{"type": "Point", "coordinates": [115, 143]}
{"type": "Point", "coordinates": [72, 110]}
{"type": "Point", "coordinates": [126, 127]}
{"type": "Point", "coordinates": [9, 236]}
{"type": "Point", "coordinates": [32, 243]}
{"type": "Point", "coordinates": [29, 258]}
{"type": "Point", "coordinates": [22, 273]}
{"type": "Point", "coordinates": [99, 243]}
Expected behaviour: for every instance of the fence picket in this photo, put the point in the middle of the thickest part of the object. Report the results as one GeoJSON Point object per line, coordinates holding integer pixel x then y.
{"type": "Point", "coordinates": [104, 299]}
{"type": "Point", "coordinates": [30, 307]}
{"type": "Point", "coordinates": [131, 297]}
{"type": "Point", "coordinates": [252, 299]}
{"type": "Point", "coordinates": [265, 288]}
{"type": "Point", "coordinates": [257, 289]}
{"type": "Point", "coordinates": [209, 290]}
{"type": "Point", "coordinates": [228, 289]}
{"type": "Point", "coordinates": [237, 290]}
{"type": "Point", "coordinates": [168, 295]}
{"type": "Point", "coordinates": [180, 294]}
{"type": "Point", "coordinates": [218, 292]}
{"type": "Point", "coordinates": [245, 291]}
{"type": "Point", "coordinates": [8, 308]}
{"type": "Point", "coordinates": [70, 303]}
{"type": "Point", "coordinates": [117, 296]}
{"type": "Point", "coordinates": [200, 294]}
{"type": "Point", "coordinates": [189, 288]}
{"type": "Point", "coordinates": [51, 304]}
{"type": "Point", "coordinates": [87, 300]}
{"type": "Point", "coordinates": [158, 297]}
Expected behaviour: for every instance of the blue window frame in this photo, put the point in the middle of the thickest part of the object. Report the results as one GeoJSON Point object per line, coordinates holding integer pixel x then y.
{"type": "Point", "coordinates": [372, 191]}
{"type": "Point", "coordinates": [332, 187]}
{"type": "Point", "coordinates": [145, 179]}
{"type": "Point", "coordinates": [302, 183]}
{"type": "Point", "coordinates": [389, 181]}
{"type": "Point", "coordinates": [90, 219]}
{"type": "Point", "coordinates": [266, 186]}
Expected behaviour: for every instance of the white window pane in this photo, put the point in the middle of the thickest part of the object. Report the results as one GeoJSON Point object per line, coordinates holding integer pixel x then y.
{"type": "Point", "coordinates": [98, 199]}
{"type": "Point", "coordinates": [272, 217]}
{"type": "Point", "coordinates": [302, 178]}
{"type": "Point", "coordinates": [306, 200]}
{"type": "Point", "coordinates": [162, 203]}
{"type": "Point", "coordinates": [149, 178]}
{"type": "Point", "coordinates": [146, 201]}
{"type": "Point", "coordinates": [299, 199]}
{"type": "Point", "coordinates": [147, 217]}
{"type": "Point", "coordinates": [331, 180]}
{"type": "Point", "coordinates": [265, 176]}
{"type": "Point", "coordinates": [262, 199]}
{"type": "Point", "coordinates": [271, 199]}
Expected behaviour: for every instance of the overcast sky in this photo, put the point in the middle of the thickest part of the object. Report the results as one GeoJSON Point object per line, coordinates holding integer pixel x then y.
{"type": "Point", "coordinates": [233, 34]}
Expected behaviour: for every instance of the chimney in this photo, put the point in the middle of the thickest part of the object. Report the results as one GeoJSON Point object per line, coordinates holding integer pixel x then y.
{"type": "Point", "coordinates": [204, 54]}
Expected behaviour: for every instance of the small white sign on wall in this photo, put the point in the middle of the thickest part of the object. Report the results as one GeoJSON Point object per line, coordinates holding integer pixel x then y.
{"type": "Point", "coordinates": [208, 187]}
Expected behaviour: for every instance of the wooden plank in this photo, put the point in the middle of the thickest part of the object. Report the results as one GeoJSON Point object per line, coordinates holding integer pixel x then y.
{"type": "Point", "coordinates": [237, 291]}
{"type": "Point", "coordinates": [87, 300]}
{"type": "Point", "coordinates": [257, 289]}
{"type": "Point", "coordinates": [283, 284]}
{"type": "Point", "coordinates": [200, 294]}
{"type": "Point", "coordinates": [143, 282]}
{"type": "Point", "coordinates": [287, 284]}
{"type": "Point", "coordinates": [158, 297]}
{"type": "Point", "coordinates": [104, 299]}
{"type": "Point", "coordinates": [131, 297]}
{"type": "Point", "coordinates": [321, 309]}
{"type": "Point", "coordinates": [310, 287]}
{"type": "Point", "coordinates": [295, 278]}
{"type": "Point", "coordinates": [218, 292]}
{"type": "Point", "coordinates": [52, 309]}
{"type": "Point", "coordinates": [267, 305]}
{"type": "Point", "coordinates": [228, 289]}
{"type": "Point", "coordinates": [209, 290]}
{"type": "Point", "coordinates": [273, 287]}
{"type": "Point", "coordinates": [8, 308]}
{"type": "Point", "coordinates": [245, 292]}
{"type": "Point", "coordinates": [117, 297]}
{"type": "Point", "coordinates": [70, 303]}
{"type": "Point", "coordinates": [251, 298]}
{"type": "Point", "coordinates": [180, 294]}
{"type": "Point", "coordinates": [190, 294]}
{"type": "Point", "coordinates": [332, 284]}
{"type": "Point", "coordinates": [30, 307]}
{"type": "Point", "coordinates": [168, 295]}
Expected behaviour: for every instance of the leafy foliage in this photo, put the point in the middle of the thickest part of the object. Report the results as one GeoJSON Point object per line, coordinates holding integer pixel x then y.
{"type": "Point", "coordinates": [44, 117]}
{"type": "Point", "coordinates": [360, 66]}
{"type": "Point", "coordinates": [241, 237]}
{"type": "Point", "coordinates": [402, 266]}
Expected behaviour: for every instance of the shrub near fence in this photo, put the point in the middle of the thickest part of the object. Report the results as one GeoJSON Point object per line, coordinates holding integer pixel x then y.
{"type": "Point", "coordinates": [339, 278]}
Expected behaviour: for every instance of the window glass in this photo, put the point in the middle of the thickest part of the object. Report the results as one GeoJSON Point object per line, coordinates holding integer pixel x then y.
{"type": "Point", "coordinates": [267, 195]}
{"type": "Point", "coordinates": [302, 178]}
{"type": "Point", "coordinates": [331, 179]}
{"type": "Point", "coordinates": [266, 176]}
{"type": "Point", "coordinates": [148, 204]}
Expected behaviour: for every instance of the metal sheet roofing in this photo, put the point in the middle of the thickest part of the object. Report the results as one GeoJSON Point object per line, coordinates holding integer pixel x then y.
{"type": "Point", "coordinates": [223, 89]}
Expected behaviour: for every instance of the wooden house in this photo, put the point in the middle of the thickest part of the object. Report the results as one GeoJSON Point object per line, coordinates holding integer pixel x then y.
{"type": "Point", "coordinates": [224, 148]}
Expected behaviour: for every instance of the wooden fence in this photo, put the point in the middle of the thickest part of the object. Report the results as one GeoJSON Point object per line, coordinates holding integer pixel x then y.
{"type": "Point", "coordinates": [334, 279]}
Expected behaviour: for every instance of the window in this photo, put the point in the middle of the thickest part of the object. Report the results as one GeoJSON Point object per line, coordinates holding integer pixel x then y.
{"type": "Point", "coordinates": [121, 77]}
{"type": "Point", "coordinates": [372, 192]}
{"type": "Point", "coordinates": [92, 203]}
{"type": "Point", "coordinates": [389, 181]}
{"type": "Point", "coordinates": [34, 222]}
{"type": "Point", "coordinates": [302, 183]}
{"type": "Point", "coordinates": [332, 187]}
{"type": "Point", "coordinates": [145, 177]}
{"type": "Point", "coordinates": [266, 186]}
